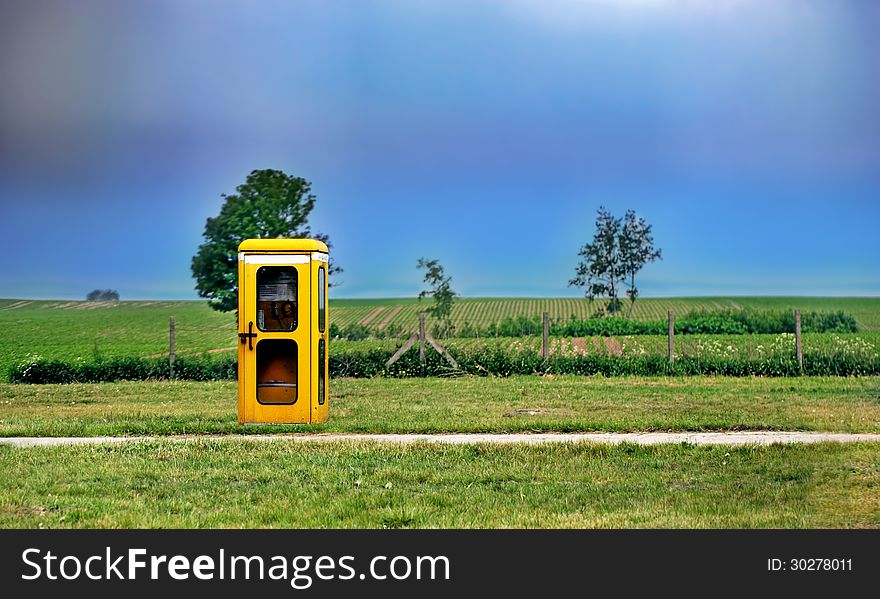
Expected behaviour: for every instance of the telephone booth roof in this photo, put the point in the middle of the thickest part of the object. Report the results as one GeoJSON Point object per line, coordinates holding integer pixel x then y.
{"type": "Point", "coordinates": [282, 245]}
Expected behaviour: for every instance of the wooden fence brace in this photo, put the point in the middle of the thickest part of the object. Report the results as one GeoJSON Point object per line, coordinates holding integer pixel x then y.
{"type": "Point", "coordinates": [409, 343]}
{"type": "Point", "coordinates": [798, 342]}
{"type": "Point", "coordinates": [171, 346]}
{"type": "Point", "coordinates": [441, 350]}
{"type": "Point", "coordinates": [671, 318]}
{"type": "Point", "coordinates": [422, 336]}
{"type": "Point", "coordinates": [545, 351]}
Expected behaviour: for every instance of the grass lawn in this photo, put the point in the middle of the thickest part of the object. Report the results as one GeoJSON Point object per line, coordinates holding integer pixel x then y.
{"type": "Point", "coordinates": [467, 404]}
{"type": "Point", "coordinates": [240, 483]}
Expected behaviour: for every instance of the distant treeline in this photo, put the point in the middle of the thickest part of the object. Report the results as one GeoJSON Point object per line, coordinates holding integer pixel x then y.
{"type": "Point", "coordinates": [695, 322]}
{"type": "Point", "coordinates": [103, 295]}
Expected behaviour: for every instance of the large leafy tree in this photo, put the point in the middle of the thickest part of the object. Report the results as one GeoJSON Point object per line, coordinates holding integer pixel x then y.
{"type": "Point", "coordinates": [636, 247]}
{"type": "Point", "coordinates": [269, 204]}
{"type": "Point", "coordinates": [440, 290]}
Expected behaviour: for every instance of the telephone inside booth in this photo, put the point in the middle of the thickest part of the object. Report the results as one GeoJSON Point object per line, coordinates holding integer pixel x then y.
{"type": "Point", "coordinates": [276, 298]}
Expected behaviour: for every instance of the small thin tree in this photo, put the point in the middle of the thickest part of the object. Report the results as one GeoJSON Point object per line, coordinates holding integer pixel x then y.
{"type": "Point", "coordinates": [600, 270]}
{"type": "Point", "coordinates": [636, 246]}
{"type": "Point", "coordinates": [440, 290]}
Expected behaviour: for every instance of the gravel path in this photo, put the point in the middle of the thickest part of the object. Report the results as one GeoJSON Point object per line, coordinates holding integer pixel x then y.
{"type": "Point", "coordinates": [693, 438]}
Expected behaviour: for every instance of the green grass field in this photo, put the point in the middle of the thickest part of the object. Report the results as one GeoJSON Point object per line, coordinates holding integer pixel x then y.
{"type": "Point", "coordinates": [468, 404]}
{"type": "Point", "coordinates": [240, 483]}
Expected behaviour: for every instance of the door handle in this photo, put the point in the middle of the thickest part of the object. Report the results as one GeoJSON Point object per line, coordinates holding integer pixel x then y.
{"type": "Point", "coordinates": [249, 336]}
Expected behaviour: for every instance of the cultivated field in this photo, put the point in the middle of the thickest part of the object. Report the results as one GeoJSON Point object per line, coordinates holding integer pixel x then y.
{"type": "Point", "coordinates": [93, 330]}
{"type": "Point", "coordinates": [90, 330]}
{"type": "Point", "coordinates": [484, 311]}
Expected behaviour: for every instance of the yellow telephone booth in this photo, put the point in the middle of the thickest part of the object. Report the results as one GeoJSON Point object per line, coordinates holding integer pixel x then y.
{"type": "Point", "coordinates": [282, 331]}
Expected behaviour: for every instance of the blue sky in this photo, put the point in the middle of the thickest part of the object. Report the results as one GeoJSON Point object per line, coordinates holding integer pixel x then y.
{"type": "Point", "coordinates": [484, 134]}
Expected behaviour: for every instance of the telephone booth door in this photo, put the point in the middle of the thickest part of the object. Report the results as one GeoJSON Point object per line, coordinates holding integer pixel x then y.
{"type": "Point", "coordinates": [275, 341]}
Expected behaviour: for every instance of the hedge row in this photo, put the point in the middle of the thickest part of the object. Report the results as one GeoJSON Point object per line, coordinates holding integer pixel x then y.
{"type": "Point", "coordinates": [749, 321]}
{"type": "Point", "coordinates": [696, 322]}
{"type": "Point", "coordinates": [484, 362]}
{"type": "Point", "coordinates": [41, 370]}
{"type": "Point", "coordinates": [499, 362]}
{"type": "Point", "coordinates": [719, 322]}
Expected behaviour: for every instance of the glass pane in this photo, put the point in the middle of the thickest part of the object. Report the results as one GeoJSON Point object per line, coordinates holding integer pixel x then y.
{"type": "Point", "coordinates": [276, 371]}
{"type": "Point", "coordinates": [276, 298]}
{"type": "Point", "coordinates": [322, 368]}
{"type": "Point", "coordinates": [322, 308]}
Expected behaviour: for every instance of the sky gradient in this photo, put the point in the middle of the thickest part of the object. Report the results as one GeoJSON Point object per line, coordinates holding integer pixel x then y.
{"type": "Point", "coordinates": [483, 134]}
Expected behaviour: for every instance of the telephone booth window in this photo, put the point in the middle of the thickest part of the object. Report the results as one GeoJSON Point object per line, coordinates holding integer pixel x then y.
{"type": "Point", "coordinates": [276, 371]}
{"type": "Point", "coordinates": [276, 298]}
{"type": "Point", "coordinates": [322, 301]}
{"type": "Point", "coordinates": [322, 367]}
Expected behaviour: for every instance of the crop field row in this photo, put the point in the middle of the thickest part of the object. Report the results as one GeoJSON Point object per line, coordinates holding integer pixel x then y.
{"type": "Point", "coordinates": [482, 312]}
{"type": "Point", "coordinates": [485, 311]}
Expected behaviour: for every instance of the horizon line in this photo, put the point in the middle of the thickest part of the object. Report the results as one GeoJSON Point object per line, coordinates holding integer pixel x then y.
{"type": "Point", "coordinates": [477, 297]}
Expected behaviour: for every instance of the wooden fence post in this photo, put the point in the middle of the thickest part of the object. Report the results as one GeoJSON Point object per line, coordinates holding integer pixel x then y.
{"type": "Point", "coordinates": [171, 346]}
{"type": "Point", "coordinates": [422, 341]}
{"type": "Point", "coordinates": [798, 343]}
{"type": "Point", "coordinates": [546, 345]}
{"type": "Point", "coordinates": [671, 318]}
